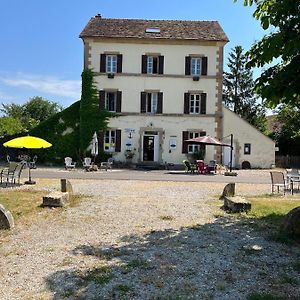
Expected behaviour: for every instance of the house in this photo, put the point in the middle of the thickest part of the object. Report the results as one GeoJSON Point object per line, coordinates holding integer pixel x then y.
{"type": "Point", "coordinates": [163, 78]}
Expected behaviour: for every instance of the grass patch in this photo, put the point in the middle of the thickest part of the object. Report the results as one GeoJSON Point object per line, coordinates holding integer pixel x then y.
{"type": "Point", "coordinates": [257, 296]}
{"type": "Point", "coordinates": [22, 203]}
{"type": "Point", "coordinates": [99, 275]}
{"type": "Point", "coordinates": [122, 288]}
{"type": "Point", "coordinates": [296, 265]}
{"type": "Point", "coordinates": [135, 264]}
{"type": "Point", "coordinates": [267, 214]}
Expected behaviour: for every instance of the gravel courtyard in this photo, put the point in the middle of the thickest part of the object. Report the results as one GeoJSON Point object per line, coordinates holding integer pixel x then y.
{"type": "Point", "coordinates": [132, 239]}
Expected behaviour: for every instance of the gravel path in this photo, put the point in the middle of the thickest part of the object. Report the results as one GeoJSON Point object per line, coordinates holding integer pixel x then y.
{"type": "Point", "coordinates": [144, 240]}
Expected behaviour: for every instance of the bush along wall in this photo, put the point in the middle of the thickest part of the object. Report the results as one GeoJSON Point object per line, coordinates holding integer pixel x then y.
{"type": "Point", "coordinates": [92, 119]}
{"type": "Point", "coordinates": [62, 131]}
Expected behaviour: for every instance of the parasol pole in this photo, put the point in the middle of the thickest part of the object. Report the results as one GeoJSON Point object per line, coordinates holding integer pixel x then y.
{"type": "Point", "coordinates": [231, 149]}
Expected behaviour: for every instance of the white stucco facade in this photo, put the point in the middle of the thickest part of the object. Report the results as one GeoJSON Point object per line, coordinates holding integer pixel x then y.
{"type": "Point", "coordinates": [262, 148]}
{"type": "Point", "coordinates": [158, 137]}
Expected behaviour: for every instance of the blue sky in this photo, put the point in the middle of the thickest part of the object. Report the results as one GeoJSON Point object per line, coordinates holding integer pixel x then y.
{"type": "Point", "coordinates": [42, 55]}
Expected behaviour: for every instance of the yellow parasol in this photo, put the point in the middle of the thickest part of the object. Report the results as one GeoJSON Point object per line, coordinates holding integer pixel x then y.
{"type": "Point", "coordinates": [28, 142]}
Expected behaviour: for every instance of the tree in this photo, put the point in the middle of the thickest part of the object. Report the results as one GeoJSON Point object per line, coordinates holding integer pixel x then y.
{"type": "Point", "coordinates": [278, 52]}
{"type": "Point", "coordinates": [287, 136]}
{"type": "Point", "coordinates": [10, 126]}
{"type": "Point", "coordinates": [41, 109]}
{"type": "Point", "coordinates": [30, 114]}
{"type": "Point", "coordinates": [238, 90]}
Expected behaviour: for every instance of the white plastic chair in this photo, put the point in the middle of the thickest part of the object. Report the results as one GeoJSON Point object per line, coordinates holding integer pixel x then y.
{"type": "Point", "coordinates": [87, 163]}
{"type": "Point", "coordinates": [69, 163]}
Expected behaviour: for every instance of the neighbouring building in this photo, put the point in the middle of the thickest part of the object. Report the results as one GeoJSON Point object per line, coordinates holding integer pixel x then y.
{"type": "Point", "coordinates": [163, 78]}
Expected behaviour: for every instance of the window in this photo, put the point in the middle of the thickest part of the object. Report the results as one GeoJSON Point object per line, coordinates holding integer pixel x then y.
{"type": "Point", "coordinates": [247, 149]}
{"type": "Point", "coordinates": [195, 66]}
{"type": "Point", "coordinates": [110, 101]}
{"type": "Point", "coordinates": [111, 63]}
{"type": "Point", "coordinates": [151, 103]}
{"type": "Point", "coordinates": [195, 148]}
{"type": "Point", "coordinates": [152, 64]}
{"type": "Point", "coordinates": [195, 103]}
{"type": "Point", "coordinates": [110, 140]}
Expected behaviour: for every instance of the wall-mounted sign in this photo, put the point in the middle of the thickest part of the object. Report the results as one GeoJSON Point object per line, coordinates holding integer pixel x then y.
{"type": "Point", "coordinates": [128, 130]}
{"type": "Point", "coordinates": [128, 144]}
{"type": "Point", "coordinates": [172, 144]}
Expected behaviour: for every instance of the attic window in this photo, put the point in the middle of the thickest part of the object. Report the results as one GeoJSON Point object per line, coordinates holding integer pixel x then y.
{"type": "Point", "coordinates": [153, 30]}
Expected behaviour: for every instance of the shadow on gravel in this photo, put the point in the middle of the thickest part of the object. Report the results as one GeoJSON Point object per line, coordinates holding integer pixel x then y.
{"type": "Point", "coordinates": [226, 259]}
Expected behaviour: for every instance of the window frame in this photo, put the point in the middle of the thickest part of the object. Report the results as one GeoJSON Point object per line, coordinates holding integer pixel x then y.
{"type": "Point", "coordinates": [109, 143]}
{"type": "Point", "coordinates": [151, 63]}
{"type": "Point", "coordinates": [194, 148]}
{"type": "Point", "coordinates": [247, 149]}
{"type": "Point", "coordinates": [111, 63]}
{"type": "Point", "coordinates": [151, 108]}
{"type": "Point", "coordinates": [107, 106]}
{"type": "Point", "coordinates": [195, 104]}
{"type": "Point", "coordinates": [196, 65]}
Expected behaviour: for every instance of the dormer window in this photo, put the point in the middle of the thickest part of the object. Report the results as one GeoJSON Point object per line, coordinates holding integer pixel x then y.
{"type": "Point", "coordinates": [152, 30]}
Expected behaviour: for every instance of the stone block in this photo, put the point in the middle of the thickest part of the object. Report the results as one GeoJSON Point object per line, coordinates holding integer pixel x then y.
{"type": "Point", "coordinates": [291, 223]}
{"type": "Point", "coordinates": [66, 186]}
{"type": "Point", "coordinates": [6, 218]}
{"type": "Point", "coordinates": [236, 204]}
{"type": "Point", "coordinates": [228, 191]}
{"type": "Point", "coordinates": [56, 199]}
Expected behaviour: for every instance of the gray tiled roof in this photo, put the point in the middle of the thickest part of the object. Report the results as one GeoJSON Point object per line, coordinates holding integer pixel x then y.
{"type": "Point", "coordinates": [169, 29]}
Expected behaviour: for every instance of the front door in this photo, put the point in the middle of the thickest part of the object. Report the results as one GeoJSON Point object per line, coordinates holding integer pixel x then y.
{"type": "Point", "coordinates": [151, 147]}
{"type": "Point", "coordinates": [148, 146]}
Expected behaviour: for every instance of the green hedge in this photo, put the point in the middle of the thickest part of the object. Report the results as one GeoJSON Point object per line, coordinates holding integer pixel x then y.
{"type": "Point", "coordinates": [62, 131]}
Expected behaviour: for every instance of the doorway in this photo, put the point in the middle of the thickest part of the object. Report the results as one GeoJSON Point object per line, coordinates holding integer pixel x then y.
{"type": "Point", "coordinates": [226, 155]}
{"type": "Point", "coordinates": [151, 147]}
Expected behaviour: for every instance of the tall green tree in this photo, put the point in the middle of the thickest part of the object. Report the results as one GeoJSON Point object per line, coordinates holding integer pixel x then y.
{"type": "Point", "coordinates": [278, 52]}
{"type": "Point", "coordinates": [238, 90]}
{"type": "Point", "coordinates": [287, 137]}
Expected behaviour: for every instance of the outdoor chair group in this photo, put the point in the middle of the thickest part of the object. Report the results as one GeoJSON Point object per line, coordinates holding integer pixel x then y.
{"type": "Point", "coordinates": [13, 172]}
{"type": "Point", "coordinates": [279, 181]}
{"type": "Point", "coordinates": [200, 167]}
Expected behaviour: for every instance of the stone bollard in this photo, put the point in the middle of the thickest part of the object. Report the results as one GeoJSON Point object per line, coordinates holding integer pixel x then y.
{"type": "Point", "coordinates": [291, 223]}
{"type": "Point", "coordinates": [6, 218]}
{"type": "Point", "coordinates": [228, 191]}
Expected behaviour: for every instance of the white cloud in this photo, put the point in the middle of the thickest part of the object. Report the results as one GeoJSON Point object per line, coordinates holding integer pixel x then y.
{"type": "Point", "coordinates": [44, 84]}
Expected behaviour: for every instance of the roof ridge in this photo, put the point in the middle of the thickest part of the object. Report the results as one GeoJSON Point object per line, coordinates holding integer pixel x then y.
{"type": "Point", "coordinates": [155, 20]}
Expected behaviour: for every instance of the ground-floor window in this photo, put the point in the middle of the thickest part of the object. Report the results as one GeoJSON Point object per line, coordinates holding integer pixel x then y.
{"type": "Point", "coordinates": [110, 140]}
{"type": "Point", "coordinates": [195, 148]}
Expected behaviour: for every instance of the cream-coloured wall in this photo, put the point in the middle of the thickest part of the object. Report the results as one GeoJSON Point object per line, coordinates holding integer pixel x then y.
{"type": "Point", "coordinates": [262, 148]}
{"type": "Point", "coordinates": [170, 127]}
{"type": "Point", "coordinates": [173, 91]}
{"type": "Point", "coordinates": [174, 55]}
